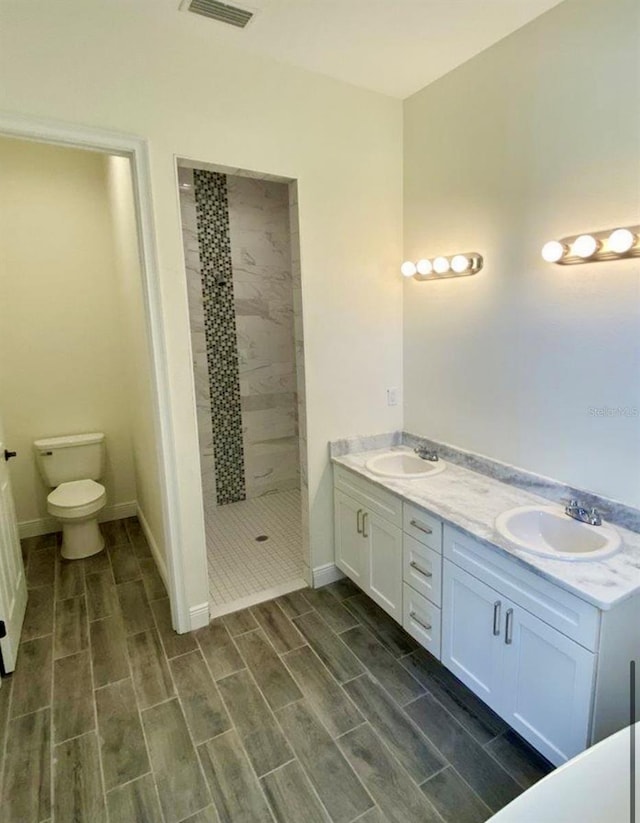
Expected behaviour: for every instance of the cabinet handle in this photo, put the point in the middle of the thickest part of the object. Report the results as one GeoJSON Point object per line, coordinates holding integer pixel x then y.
{"type": "Point", "coordinates": [508, 632]}
{"type": "Point", "coordinates": [420, 570]}
{"type": "Point", "coordinates": [416, 619]}
{"type": "Point", "coordinates": [358, 523]}
{"type": "Point", "coordinates": [365, 522]}
{"type": "Point", "coordinates": [421, 527]}
{"type": "Point", "coordinates": [497, 606]}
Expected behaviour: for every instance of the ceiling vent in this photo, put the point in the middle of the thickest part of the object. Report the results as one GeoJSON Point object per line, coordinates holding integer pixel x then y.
{"type": "Point", "coordinates": [222, 12]}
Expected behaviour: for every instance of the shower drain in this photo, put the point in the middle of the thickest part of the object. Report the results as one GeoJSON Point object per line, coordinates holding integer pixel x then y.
{"type": "Point", "coordinates": [262, 537]}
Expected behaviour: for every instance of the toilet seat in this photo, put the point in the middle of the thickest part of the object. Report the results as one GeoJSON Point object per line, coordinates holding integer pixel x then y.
{"type": "Point", "coordinates": [78, 498]}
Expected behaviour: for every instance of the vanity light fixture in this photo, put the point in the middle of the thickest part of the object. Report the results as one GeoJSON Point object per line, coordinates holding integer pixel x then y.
{"type": "Point", "coordinates": [441, 267]}
{"type": "Point", "coordinates": [611, 244]}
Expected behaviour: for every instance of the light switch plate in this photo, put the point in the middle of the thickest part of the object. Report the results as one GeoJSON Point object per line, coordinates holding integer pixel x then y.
{"type": "Point", "coordinates": [392, 396]}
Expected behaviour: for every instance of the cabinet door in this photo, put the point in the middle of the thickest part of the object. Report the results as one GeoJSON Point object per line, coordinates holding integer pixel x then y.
{"type": "Point", "coordinates": [384, 548]}
{"type": "Point", "coordinates": [350, 545]}
{"type": "Point", "coordinates": [548, 683]}
{"type": "Point", "coordinates": [472, 633]}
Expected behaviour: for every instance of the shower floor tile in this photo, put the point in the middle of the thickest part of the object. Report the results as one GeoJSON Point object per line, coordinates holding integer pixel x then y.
{"type": "Point", "coordinates": [241, 567]}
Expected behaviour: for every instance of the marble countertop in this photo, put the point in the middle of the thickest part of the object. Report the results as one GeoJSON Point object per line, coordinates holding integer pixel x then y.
{"type": "Point", "coordinates": [471, 502]}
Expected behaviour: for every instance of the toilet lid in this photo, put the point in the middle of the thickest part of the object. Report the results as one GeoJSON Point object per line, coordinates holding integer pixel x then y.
{"type": "Point", "coordinates": [76, 493]}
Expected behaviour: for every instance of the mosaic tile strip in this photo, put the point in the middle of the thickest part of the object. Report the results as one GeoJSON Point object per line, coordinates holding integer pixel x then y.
{"type": "Point", "coordinates": [212, 215]}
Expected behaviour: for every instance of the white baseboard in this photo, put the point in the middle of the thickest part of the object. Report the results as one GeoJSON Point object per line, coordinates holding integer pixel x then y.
{"type": "Point", "coordinates": [155, 551]}
{"type": "Point", "coordinates": [199, 616]}
{"type": "Point", "coordinates": [46, 525]}
{"type": "Point", "coordinates": [323, 575]}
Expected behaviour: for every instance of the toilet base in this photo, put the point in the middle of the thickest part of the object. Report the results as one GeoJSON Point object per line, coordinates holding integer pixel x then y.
{"type": "Point", "coordinates": [81, 539]}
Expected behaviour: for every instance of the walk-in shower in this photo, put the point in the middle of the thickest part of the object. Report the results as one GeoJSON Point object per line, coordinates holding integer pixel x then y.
{"type": "Point", "coordinates": [243, 276]}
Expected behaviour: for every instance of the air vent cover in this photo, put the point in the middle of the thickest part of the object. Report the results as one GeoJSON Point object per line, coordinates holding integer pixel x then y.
{"type": "Point", "coordinates": [222, 12]}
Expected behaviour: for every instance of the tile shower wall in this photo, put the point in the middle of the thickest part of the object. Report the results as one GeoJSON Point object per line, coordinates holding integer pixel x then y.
{"type": "Point", "coordinates": [212, 216]}
{"type": "Point", "coordinates": [268, 325]}
{"type": "Point", "coordinates": [198, 339]}
{"type": "Point", "coordinates": [263, 290]}
{"type": "Point", "coordinates": [205, 224]}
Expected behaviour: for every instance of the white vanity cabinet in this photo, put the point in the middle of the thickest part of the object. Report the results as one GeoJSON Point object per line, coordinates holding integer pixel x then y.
{"type": "Point", "coordinates": [532, 675]}
{"type": "Point", "coordinates": [393, 551]}
{"type": "Point", "coordinates": [553, 665]}
{"type": "Point", "coordinates": [368, 539]}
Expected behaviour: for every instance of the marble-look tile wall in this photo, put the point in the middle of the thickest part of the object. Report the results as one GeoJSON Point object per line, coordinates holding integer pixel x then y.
{"type": "Point", "coordinates": [264, 305]}
{"type": "Point", "coordinates": [268, 314]}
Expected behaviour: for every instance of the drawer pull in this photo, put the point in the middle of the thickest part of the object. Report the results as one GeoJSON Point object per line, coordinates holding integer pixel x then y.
{"type": "Point", "coordinates": [365, 522]}
{"type": "Point", "coordinates": [359, 523]}
{"type": "Point", "coordinates": [420, 570]}
{"type": "Point", "coordinates": [421, 527]}
{"type": "Point", "coordinates": [508, 632]}
{"type": "Point", "coordinates": [416, 619]}
{"type": "Point", "coordinates": [497, 606]}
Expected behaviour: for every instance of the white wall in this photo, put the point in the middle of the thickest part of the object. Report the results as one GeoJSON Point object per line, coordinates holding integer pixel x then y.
{"type": "Point", "coordinates": [118, 66]}
{"type": "Point", "coordinates": [534, 139]}
{"type": "Point", "coordinates": [138, 362]}
{"type": "Point", "coordinates": [61, 351]}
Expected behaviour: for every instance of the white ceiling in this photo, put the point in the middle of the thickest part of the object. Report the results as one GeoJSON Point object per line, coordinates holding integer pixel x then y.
{"type": "Point", "coordinates": [392, 46]}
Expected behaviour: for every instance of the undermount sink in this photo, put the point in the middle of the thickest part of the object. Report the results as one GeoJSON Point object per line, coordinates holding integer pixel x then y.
{"type": "Point", "coordinates": [549, 532]}
{"type": "Point", "coordinates": [403, 465]}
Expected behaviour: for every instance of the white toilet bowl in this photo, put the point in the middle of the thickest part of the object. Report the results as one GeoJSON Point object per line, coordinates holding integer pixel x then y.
{"type": "Point", "coordinates": [76, 505]}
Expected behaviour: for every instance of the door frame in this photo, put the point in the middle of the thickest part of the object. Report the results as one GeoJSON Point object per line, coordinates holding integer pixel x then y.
{"type": "Point", "coordinates": [324, 574]}
{"type": "Point", "coordinates": [137, 150]}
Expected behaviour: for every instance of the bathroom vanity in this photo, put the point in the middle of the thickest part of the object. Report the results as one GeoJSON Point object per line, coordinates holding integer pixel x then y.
{"type": "Point", "coordinates": [545, 643]}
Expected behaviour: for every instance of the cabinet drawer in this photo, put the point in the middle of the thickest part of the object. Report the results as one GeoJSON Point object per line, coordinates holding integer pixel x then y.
{"type": "Point", "coordinates": [422, 526]}
{"type": "Point", "coordinates": [562, 610]}
{"type": "Point", "coordinates": [422, 620]}
{"type": "Point", "coordinates": [371, 497]}
{"type": "Point", "coordinates": [422, 569]}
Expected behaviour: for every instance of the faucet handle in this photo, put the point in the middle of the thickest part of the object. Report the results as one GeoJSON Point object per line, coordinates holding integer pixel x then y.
{"type": "Point", "coordinates": [595, 517]}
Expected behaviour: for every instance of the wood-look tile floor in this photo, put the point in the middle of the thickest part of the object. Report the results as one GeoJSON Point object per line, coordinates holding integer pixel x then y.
{"type": "Point", "coordinates": [315, 706]}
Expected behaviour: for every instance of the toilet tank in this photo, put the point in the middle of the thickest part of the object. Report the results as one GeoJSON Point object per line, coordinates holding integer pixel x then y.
{"type": "Point", "coordinates": [73, 457]}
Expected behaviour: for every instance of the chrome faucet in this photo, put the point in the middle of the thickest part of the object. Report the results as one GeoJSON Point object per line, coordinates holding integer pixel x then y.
{"type": "Point", "coordinates": [426, 454]}
{"type": "Point", "coordinates": [578, 512]}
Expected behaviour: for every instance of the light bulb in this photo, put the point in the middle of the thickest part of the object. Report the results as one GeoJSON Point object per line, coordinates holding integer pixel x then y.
{"type": "Point", "coordinates": [441, 265]}
{"type": "Point", "coordinates": [424, 266]}
{"type": "Point", "coordinates": [408, 268]}
{"type": "Point", "coordinates": [621, 240]}
{"type": "Point", "coordinates": [460, 263]}
{"type": "Point", "coordinates": [553, 251]}
{"type": "Point", "coordinates": [585, 246]}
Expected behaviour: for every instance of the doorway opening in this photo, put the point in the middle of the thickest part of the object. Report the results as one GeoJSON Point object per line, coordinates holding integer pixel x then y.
{"type": "Point", "coordinates": [79, 400]}
{"type": "Point", "coordinates": [241, 244]}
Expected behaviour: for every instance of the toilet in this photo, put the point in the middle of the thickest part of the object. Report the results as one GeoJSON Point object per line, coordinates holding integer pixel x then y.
{"type": "Point", "coordinates": [72, 464]}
